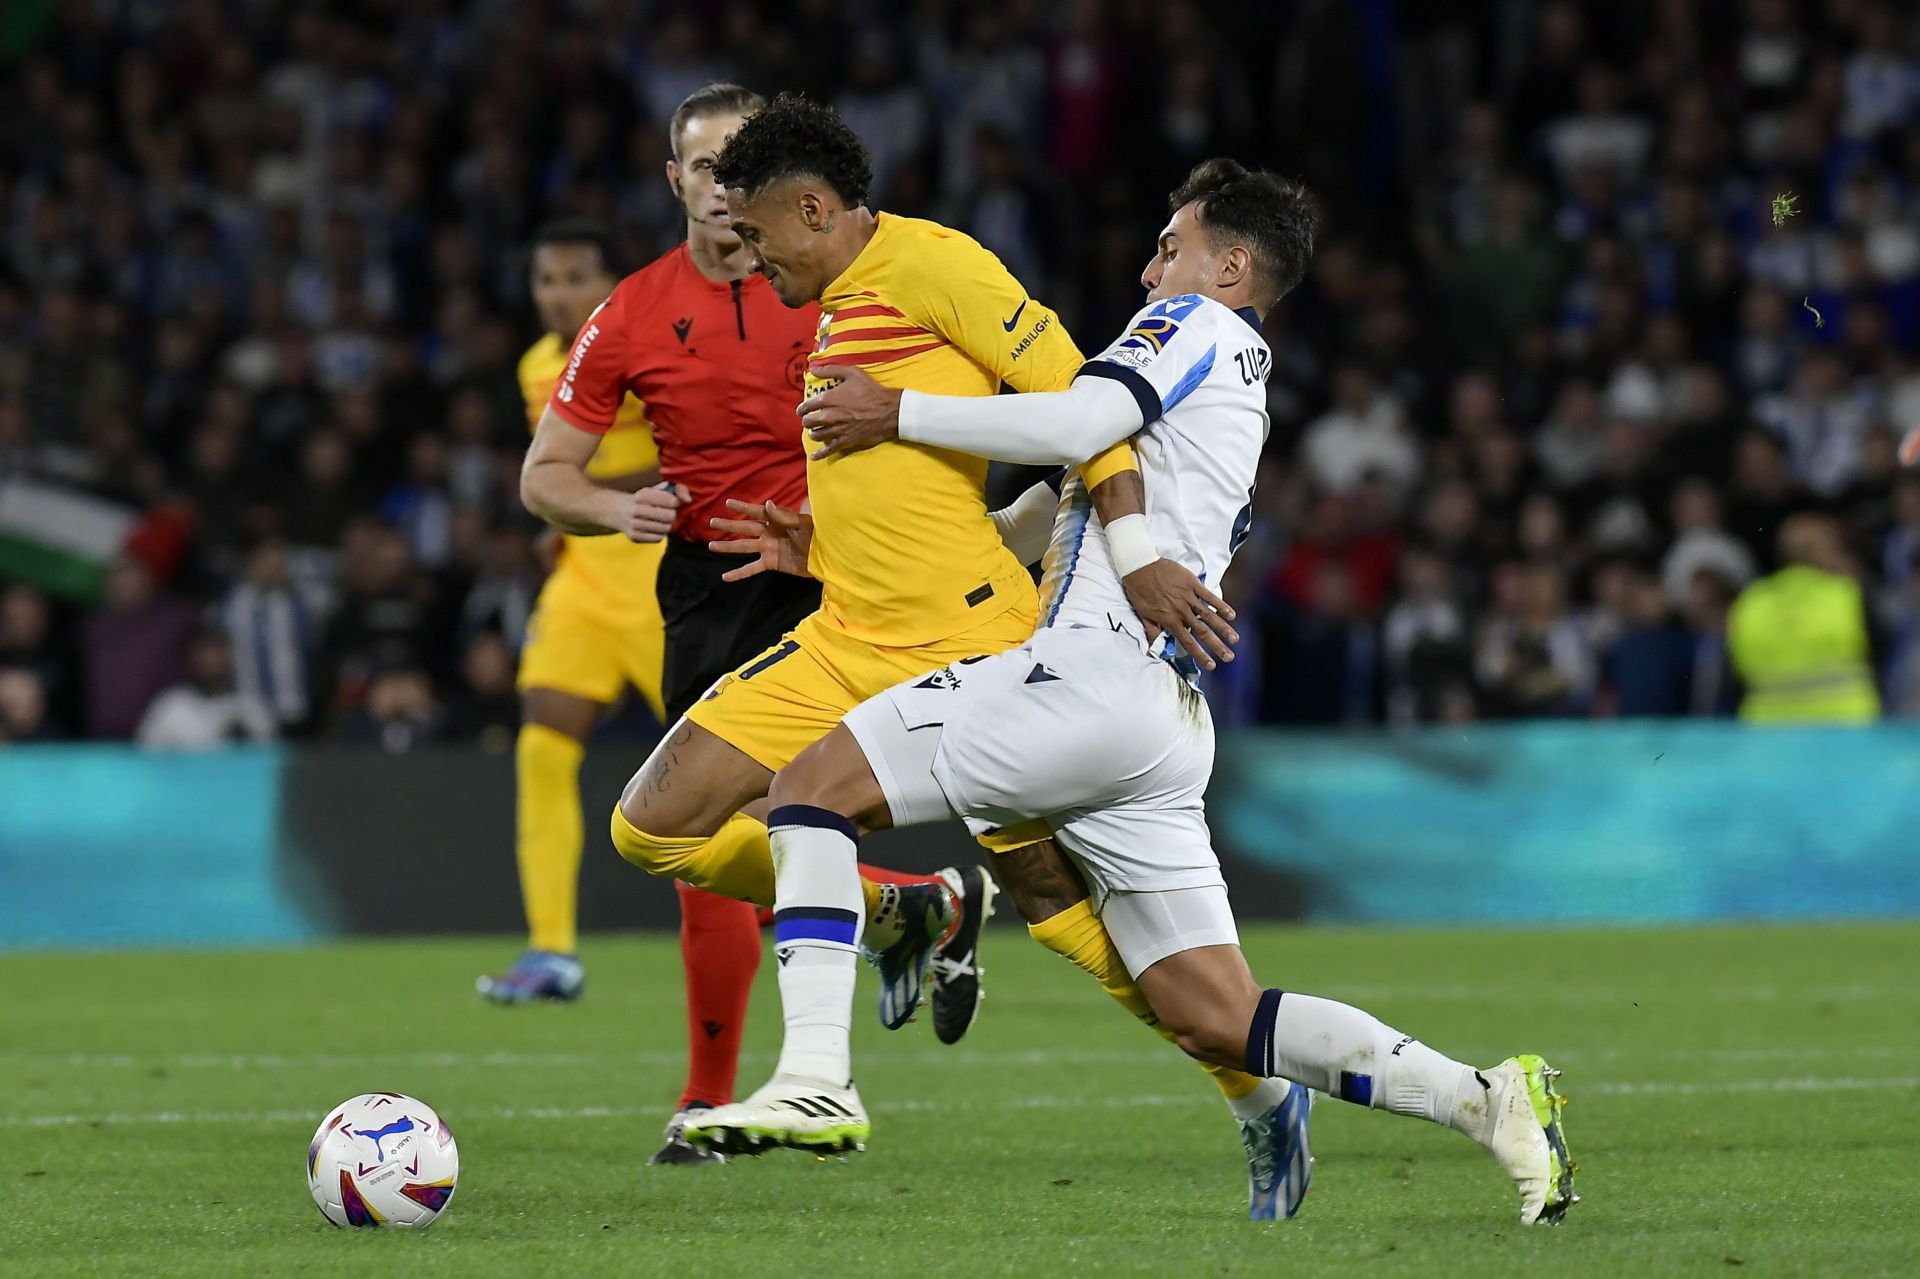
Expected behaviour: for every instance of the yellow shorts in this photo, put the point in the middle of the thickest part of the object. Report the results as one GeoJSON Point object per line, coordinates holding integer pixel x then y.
{"type": "Point", "coordinates": [792, 695]}
{"type": "Point", "coordinates": [573, 647]}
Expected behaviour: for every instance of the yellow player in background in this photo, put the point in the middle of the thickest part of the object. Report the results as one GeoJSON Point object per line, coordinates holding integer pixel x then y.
{"type": "Point", "coordinates": [595, 632]}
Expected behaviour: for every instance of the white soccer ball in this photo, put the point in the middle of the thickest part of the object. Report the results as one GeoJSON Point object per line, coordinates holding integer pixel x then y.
{"type": "Point", "coordinates": [382, 1159]}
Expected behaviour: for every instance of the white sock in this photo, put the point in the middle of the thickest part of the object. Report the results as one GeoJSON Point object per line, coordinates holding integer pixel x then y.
{"type": "Point", "coordinates": [1269, 1094]}
{"type": "Point", "coordinates": [818, 911]}
{"type": "Point", "coordinates": [1416, 1080]}
{"type": "Point", "coordinates": [1353, 1055]}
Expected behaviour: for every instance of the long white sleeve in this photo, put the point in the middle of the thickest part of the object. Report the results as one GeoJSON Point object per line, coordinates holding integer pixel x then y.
{"type": "Point", "coordinates": [1026, 523]}
{"type": "Point", "coordinates": [1056, 428]}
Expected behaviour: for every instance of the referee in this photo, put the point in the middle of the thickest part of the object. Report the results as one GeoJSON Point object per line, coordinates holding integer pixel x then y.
{"type": "Point", "coordinates": [718, 361]}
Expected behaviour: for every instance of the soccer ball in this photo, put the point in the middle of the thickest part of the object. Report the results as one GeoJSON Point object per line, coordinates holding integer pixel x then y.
{"type": "Point", "coordinates": [382, 1159]}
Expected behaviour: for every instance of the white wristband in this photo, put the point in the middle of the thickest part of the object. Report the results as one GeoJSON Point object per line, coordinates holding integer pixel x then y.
{"type": "Point", "coordinates": [1130, 543]}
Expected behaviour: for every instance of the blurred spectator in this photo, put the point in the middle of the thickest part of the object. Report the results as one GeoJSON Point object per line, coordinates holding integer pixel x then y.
{"type": "Point", "coordinates": [1763, 493]}
{"type": "Point", "coordinates": [1346, 531]}
{"type": "Point", "coordinates": [23, 706]}
{"type": "Point", "coordinates": [1532, 658]}
{"type": "Point", "coordinates": [267, 268]}
{"type": "Point", "coordinates": [1701, 544]}
{"type": "Point", "coordinates": [486, 706]}
{"type": "Point", "coordinates": [1715, 689]}
{"type": "Point", "coordinates": [1322, 661]}
{"type": "Point", "coordinates": [28, 643]}
{"type": "Point", "coordinates": [1008, 212]}
{"type": "Point", "coordinates": [384, 621]}
{"type": "Point", "coordinates": [398, 714]}
{"type": "Point", "coordinates": [133, 647]}
{"type": "Point", "coordinates": [1903, 666]}
{"type": "Point", "coordinates": [1425, 642]}
{"type": "Point", "coordinates": [1649, 668]}
{"type": "Point", "coordinates": [421, 505]}
{"type": "Point", "coordinates": [888, 113]}
{"type": "Point", "coordinates": [502, 594]}
{"type": "Point", "coordinates": [1823, 421]}
{"type": "Point", "coordinates": [1799, 638]}
{"type": "Point", "coordinates": [207, 710]}
{"type": "Point", "coordinates": [1899, 545]}
{"type": "Point", "coordinates": [1362, 434]}
{"type": "Point", "coordinates": [272, 627]}
{"type": "Point", "coordinates": [322, 496]}
{"type": "Point", "coordinates": [1882, 81]}
{"type": "Point", "coordinates": [1569, 447]}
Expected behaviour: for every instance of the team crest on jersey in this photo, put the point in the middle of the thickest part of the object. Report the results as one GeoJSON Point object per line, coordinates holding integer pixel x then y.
{"type": "Point", "coordinates": [1151, 335]}
{"type": "Point", "coordinates": [1156, 328]}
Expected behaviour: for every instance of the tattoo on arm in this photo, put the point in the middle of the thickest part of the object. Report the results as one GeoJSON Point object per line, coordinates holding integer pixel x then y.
{"type": "Point", "coordinates": [658, 779]}
{"type": "Point", "coordinates": [1040, 880]}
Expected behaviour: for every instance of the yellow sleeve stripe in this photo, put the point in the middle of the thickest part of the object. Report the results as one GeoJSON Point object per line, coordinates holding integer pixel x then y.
{"type": "Point", "coordinates": [1116, 459]}
{"type": "Point", "coordinates": [878, 355]}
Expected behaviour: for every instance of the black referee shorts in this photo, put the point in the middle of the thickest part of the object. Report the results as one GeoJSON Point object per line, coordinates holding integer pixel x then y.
{"type": "Point", "coordinates": [714, 626]}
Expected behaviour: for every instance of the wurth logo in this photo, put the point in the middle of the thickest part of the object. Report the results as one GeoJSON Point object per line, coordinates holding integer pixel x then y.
{"type": "Point", "coordinates": [587, 335]}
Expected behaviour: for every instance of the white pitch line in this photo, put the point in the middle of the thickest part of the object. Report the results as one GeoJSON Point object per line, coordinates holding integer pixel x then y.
{"type": "Point", "coordinates": [1050, 1057]}
{"type": "Point", "coordinates": [1618, 1088]}
{"type": "Point", "coordinates": [1685, 1087]}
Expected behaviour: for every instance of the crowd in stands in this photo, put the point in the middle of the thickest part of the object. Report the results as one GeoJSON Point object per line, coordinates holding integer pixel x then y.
{"type": "Point", "coordinates": [1563, 365]}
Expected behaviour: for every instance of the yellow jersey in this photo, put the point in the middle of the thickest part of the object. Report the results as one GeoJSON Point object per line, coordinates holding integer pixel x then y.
{"type": "Point", "coordinates": [615, 576]}
{"type": "Point", "coordinates": [903, 546]}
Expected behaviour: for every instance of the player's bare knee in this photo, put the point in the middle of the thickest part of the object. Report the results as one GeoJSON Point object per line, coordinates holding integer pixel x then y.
{"type": "Point", "coordinates": [833, 774]}
{"type": "Point", "coordinates": [1205, 998]}
{"type": "Point", "coordinates": [1189, 1034]}
{"type": "Point", "coordinates": [1205, 1037]}
{"type": "Point", "coordinates": [804, 781]}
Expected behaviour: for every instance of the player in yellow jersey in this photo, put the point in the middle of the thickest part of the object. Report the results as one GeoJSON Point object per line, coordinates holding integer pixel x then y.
{"type": "Point", "coordinates": [911, 562]}
{"type": "Point", "coordinates": [595, 633]}
{"type": "Point", "coordinates": [912, 568]}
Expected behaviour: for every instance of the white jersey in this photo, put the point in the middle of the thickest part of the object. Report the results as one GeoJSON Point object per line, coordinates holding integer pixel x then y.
{"type": "Point", "coordinates": [1198, 370]}
{"type": "Point", "coordinates": [1085, 726]}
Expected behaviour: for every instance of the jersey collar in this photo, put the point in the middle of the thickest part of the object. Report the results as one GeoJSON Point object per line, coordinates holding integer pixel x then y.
{"type": "Point", "coordinates": [1251, 316]}
{"type": "Point", "coordinates": [840, 289]}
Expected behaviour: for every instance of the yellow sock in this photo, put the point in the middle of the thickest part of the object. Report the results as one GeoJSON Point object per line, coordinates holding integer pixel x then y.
{"type": "Point", "coordinates": [548, 834]}
{"type": "Point", "coordinates": [735, 861]}
{"type": "Point", "coordinates": [1078, 934]}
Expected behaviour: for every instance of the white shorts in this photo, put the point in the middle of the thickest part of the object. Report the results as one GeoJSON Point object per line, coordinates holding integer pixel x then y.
{"type": "Point", "coordinates": [1076, 727]}
{"type": "Point", "coordinates": [1148, 927]}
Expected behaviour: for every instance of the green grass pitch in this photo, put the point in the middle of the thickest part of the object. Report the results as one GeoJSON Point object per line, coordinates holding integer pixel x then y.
{"type": "Point", "coordinates": [1743, 1099]}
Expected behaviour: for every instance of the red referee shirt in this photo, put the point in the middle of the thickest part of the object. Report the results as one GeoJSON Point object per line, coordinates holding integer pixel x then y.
{"type": "Point", "coordinates": [720, 369]}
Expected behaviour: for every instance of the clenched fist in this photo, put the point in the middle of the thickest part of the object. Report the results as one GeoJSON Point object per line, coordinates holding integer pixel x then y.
{"type": "Point", "coordinates": [647, 514]}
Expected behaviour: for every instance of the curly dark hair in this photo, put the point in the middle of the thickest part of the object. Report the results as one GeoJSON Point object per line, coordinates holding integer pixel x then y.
{"type": "Point", "coordinates": [796, 137]}
{"type": "Point", "coordinates": [1273, 217]}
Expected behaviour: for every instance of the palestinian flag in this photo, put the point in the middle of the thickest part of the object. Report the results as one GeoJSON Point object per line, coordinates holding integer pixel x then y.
{"type": "Point", "coordinates": [61, 539]}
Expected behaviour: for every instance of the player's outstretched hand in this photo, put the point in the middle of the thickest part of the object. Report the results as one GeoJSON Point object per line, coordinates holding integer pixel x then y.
{"type": "Point", "coordinates": [1169, 598]}
{"type": "Point", "coordinates": [777, 538]}
{"type": "Point", "coordinates": [650, 511]}
{"type": "Point", "coordinates": [857, 414]}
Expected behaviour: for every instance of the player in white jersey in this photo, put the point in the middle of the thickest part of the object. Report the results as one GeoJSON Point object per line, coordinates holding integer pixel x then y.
{"type": "Point", "coordinates": [1095, 726]}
